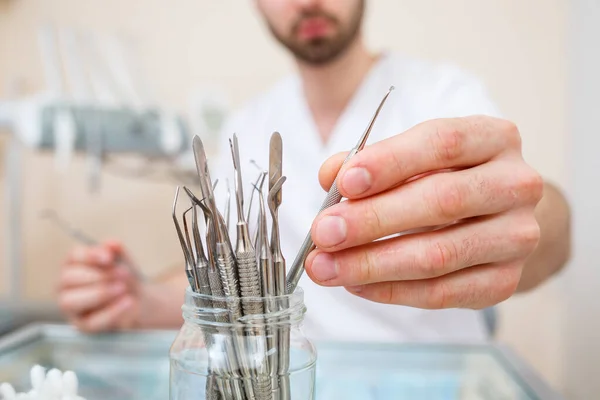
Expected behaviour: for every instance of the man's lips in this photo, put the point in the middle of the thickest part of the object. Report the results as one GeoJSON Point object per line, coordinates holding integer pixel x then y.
{"type": "Point", "coordinates": [313, 28]}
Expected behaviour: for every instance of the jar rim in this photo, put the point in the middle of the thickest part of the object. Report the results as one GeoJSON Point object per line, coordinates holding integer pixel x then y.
{"type": "Point", "coordinates": [211, 310]}
{"type": "Point", "coordinates": [296, 296]}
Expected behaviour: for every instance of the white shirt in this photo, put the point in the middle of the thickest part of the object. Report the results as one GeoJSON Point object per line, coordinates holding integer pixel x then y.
{"type": "Point", "coordinates": [423, 92]}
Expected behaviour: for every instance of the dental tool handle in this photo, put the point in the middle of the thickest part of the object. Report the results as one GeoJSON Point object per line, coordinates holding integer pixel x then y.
{"type": "Point", "coordinates": [262, 387]}
{"type": "Point", "coordinates": [217, 291]}
{"type": "Point", "coordinates": [333, 197]}
{"type": "Point", "coordinates": [249, 282]}
{"type": "Point", "coordinates": [227, 268]}
{"type": "Point", "coordinates": [214, 278]}
{"type": "Point", "coordinates": [297, 269]}
{"type": "Point", "coordinates": [212, 390]}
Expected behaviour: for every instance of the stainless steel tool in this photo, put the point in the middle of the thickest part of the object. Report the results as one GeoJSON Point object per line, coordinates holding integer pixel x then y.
{"type": "Point", "coordinates": [333, 197]}
{"type": "Point", "coordinates": [226, 264]}
{"type": "Point", "coordinates": [245, 252]}
{"type": "Point", "coordinates": [249, 280]}
{"type": "Point", "coordinates": [274, 199]}
{"type": "Point", "coordinates": [85, 239]}
{"type": "Point", "coordinates": [259, 189]}
{"type": "Point", "coordinates": [198, 285]}
{"type": "Point", "coordinates": [258, 183]}
{"type": "Point", "coordinates": [227, 204]}
{"type": "Point", "coordinates": [224, 253]}
{"type": "Point", "coordinates": [268, 287]}
{"type": "Point", "coordinates": [189, 262]}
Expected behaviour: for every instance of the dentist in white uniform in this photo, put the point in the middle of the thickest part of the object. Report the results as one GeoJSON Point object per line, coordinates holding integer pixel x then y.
{"type": "Point", "coordinates": [438, 156]}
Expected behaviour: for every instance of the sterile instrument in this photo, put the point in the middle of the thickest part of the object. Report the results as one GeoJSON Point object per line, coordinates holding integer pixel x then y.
{"type": "Point", "coordinates": [236, 276]}
{"type": "Point", "coordinates": [84, 238]}
{"type": "Point", "coordinates": [333, 197]}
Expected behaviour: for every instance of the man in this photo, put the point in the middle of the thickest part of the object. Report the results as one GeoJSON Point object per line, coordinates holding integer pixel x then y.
{"type": "Point", "coordinates": [443, 184]}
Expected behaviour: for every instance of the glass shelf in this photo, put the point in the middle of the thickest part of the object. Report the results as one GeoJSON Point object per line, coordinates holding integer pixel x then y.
{"type": "Point", "coordinates": [132, 366]}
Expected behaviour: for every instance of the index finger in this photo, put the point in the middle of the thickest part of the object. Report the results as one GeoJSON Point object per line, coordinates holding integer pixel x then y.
{"type": "Point", "coordinates": [95, 255]}
{"type": "Point", "coordinates": [430, 146]}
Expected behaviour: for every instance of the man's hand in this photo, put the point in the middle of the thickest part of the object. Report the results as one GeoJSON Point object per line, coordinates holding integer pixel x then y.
{"type": "Point", "coordinates": [96, 292]}
{"type": "Point", "coordinates": [466, 175]}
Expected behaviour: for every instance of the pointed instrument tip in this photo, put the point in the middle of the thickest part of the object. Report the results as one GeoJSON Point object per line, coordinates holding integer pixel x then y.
{"type": "Point", "coordinates": [174, 208]}
{"type": "Point", "coordinates": [363, 139]}
{"type": "Point", "coordinates": [392, 88]}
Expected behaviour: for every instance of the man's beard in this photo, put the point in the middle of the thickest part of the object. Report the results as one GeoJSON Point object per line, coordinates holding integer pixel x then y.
{"type": "Point", "coordinates": [322, 50]}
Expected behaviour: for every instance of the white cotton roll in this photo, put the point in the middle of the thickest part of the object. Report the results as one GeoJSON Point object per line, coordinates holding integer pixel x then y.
{"type": "Point", "coordinates": [50, 390]}
{"type": "Point", "coordinates": [38, 376]}
{"type": "Point", "coordinates": [8, 392]}
{"type": "Point", "coordinates": [55, 377]}
{"type": "Point", "coordinates": [70, 384]}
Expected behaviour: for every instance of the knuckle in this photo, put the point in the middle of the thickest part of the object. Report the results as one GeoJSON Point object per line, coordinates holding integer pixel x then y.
{"type": "Point", "coordinates": [439, 257]}
{"type": "Point", "coordinates": [373, 217]}
{"type": "Point", "coordinates": [531, 184]}
{"type": "Point", "coordinates": [389, 294]}
{"type": "Point", "coordinates": [448, 143]}
{"type": "Point", "coordinates": [527, 234]}
{"type": "Point", "coordinates": [368, 271]}
{"type": "Point", "coordinates": [398, 163]}
{"type": "Point", "coordinates": [448, 200]}
{"type": "Point", "coordinates": [511, 132]}
{"type": "Point", "coordinates": [506, 283]}
{"type": "Point", "coordinates": [439, 296]}
{"type": "Point", "coordinates": [397, 294]}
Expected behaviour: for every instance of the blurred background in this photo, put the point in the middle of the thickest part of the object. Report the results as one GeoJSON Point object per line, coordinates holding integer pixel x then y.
{"type": "Point", "coordinates": [200, 59]}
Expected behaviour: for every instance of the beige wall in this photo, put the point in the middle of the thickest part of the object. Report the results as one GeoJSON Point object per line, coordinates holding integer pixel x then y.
{"type": "Point", "coordinates": [518, 48]}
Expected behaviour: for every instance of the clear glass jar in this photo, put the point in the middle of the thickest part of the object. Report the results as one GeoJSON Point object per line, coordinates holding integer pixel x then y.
{"type": "Point", "coordinates": [263, 355]}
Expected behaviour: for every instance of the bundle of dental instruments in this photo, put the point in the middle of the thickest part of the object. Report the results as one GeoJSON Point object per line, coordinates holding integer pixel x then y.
{"type": "Point", "coordinates": [247, 362]}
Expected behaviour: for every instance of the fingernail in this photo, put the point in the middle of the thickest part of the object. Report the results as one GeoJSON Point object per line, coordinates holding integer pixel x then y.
{"type": "Point", "coordinates": [356, 181]}
{"type": "Point", "coordinates": [330, 231]}
{"type": "Point", "coordinates": [324, 267]}
{"type": "Point", "coordinates": [117, 288]}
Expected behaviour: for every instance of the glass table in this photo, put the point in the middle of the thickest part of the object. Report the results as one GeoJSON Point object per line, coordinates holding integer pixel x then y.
{"type": "Point", "coordinates": [132, 366]}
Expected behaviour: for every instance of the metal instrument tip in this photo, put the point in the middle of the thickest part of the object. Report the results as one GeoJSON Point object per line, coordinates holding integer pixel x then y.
{"type": "Point", "coordinates": [363, 139]}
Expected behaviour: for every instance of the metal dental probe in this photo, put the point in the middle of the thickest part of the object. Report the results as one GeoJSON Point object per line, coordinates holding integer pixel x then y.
{"type": "Point", "coordinates": [268, 286]}
{"type": "Point", "coordinates": [276, 181]}
{"type": "Point", "coordinates": [227, 380]}
{"type": "Point", "coordinates": [274, 200]}
{"type": "Point", "coordinates": [333, 197]}
{"type": "Point", "coordinates": [201, 266]}
{"type": "Point", "coordinates": [227, 204]}
{"type": "Point", "coordinates": [259, 190]}
{"type": "Point", "coordinates": [189, 262]}
{"type": "Point", "coordinates": [224, 251]}
{"type": "Point", "coordinates": [245, 253]}
{"type": "Point", "coordinates": [248, 274]}
{"type": "Point", "coordinates": [281, 334]}
{"type": "Point", "coordinates": [86, 239]}
{"type": "Point", "coordinates": [225, 257]}
{"type": "Point", "coordinates": [193, 278]}
{"type": "Point", "coordinates": [214, 385]}
{"type": "Point", "coordinates": [259, 180]}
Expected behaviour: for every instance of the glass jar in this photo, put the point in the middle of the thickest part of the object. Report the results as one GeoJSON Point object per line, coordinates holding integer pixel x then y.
{"type": "Point", "coordinates": [263, 355]}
